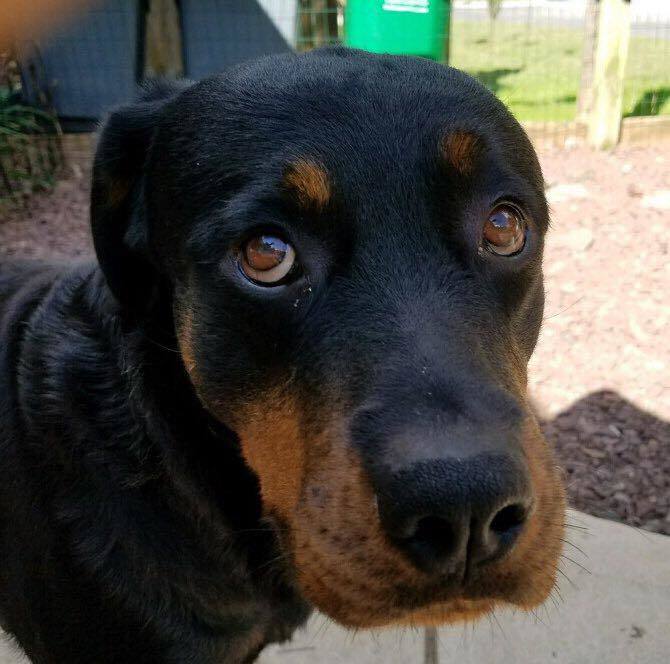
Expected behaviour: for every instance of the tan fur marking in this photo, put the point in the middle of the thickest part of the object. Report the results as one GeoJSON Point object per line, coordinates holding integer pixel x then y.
{"type": "Point", "coordinates": [460, 149]}
{"type": "Point", "coordinates": [309, 182]}
{"type": "Point", "coordinates": [272, 446]}
{"type": "Point", "coordinates": [117, 192]}
{"type": "Point", "coordinates": [185, 341]}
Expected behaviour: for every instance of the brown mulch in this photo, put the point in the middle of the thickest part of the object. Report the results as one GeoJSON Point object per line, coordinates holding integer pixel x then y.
{"type": "Point", "coordinates": [616, 460]}
{"type": "Point", "coordinates": [601, 373]}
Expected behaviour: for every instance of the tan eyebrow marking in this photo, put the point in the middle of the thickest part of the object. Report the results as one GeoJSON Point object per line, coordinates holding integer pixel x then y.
{"type": "Point", "coordinates": [461, 149]}
{"type": "Point", "coordinates": [309, 182]}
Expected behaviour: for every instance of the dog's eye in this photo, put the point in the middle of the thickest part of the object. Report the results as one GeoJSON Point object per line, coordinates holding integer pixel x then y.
{"type": "Point", "coordinates": [504, 231]}
{"type": "Point", "coordinates": [267, 259]}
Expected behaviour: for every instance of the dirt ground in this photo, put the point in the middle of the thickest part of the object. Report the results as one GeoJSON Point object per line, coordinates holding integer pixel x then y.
{"type": "Point", "coordinates": [601, 374]}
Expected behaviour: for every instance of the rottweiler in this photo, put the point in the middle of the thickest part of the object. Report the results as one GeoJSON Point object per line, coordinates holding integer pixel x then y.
{"type": "Point", "coordinates": [294, 377]}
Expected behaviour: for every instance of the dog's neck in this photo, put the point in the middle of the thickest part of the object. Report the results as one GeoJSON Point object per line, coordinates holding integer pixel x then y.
{"type": "Point", "coordinates": [171, 475]}
{"type": "Point", "coordinates": [204, 462]}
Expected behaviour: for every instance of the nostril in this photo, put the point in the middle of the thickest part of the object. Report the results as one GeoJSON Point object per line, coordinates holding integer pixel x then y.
{"type": "Point", "coordinates": [432, 543]}
{"type": "Point", "coordinates": [447, 515]}
{"type": "Point", "coordinates": [437, 533]}
{"type": "Point", "coordinates": [507, 523]}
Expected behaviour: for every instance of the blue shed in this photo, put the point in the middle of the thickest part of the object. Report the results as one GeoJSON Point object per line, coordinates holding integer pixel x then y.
{"type": "Point", "coordinates": [95, 62]}
{"type": "Point", "coordinates": [220, 33]}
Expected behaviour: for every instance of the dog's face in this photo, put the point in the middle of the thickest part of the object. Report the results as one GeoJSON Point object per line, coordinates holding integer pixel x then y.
{"type": "Point", "coordinates": [353, 249]}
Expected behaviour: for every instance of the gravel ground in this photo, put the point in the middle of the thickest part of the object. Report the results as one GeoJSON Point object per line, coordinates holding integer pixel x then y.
{"type": "Point", "coordinates": [600, 374]}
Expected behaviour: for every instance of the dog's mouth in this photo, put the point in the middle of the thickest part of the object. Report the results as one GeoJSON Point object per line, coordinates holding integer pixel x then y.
{"type": "Point", "coordinates": [369, 598]}
{"type": "Point", "coordinates": [342, 557]}
{"type": "Point", "coordinates": [346, 566]}
{"type": "Point", "coordinates": [368, 601]}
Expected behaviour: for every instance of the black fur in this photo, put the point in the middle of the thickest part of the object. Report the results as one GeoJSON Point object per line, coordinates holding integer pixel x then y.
{"type": "Point", "coordinates": [131, 530]}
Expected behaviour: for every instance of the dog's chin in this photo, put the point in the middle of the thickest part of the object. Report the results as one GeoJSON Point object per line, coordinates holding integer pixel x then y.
{"type": "Point", "coordinates": [431, 615]}
{"type": "Point", "coordinates": [374, 602]}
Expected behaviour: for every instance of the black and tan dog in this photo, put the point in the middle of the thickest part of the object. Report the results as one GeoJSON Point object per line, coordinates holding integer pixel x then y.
{"type": "Point", "coordinates": [296, 377]}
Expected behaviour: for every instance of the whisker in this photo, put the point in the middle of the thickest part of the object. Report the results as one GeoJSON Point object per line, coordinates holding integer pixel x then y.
{"type": "Point", "coordinates": [574, 562]}
{"type": "Point", "coordinates": [491, 630]}
{"type": "Point", "coordinates": [567, 578]}
{"type": "Point", "coordinates": [500, 627]}
{"type": "Point", "coordinates": [272, 561]}
{"type": "Point", "coordinates": [562, 311]}
{"type": "Point", "coordinates": [584, 530]}
{"type": "Point", "coordinates": [537, 618]}
{"type": "Point", "coordinates": [557, 590]}
{"type": "Point", "coordinates": [574, 546]}
{"type": "Point", "coordinates": [160, 345]}
{"type": "Point", "coordinates": [322, 628]}
{"type": "Point", "coordinates": [576, 527]}
{"type": "Point", "coordinates": [574, 516]}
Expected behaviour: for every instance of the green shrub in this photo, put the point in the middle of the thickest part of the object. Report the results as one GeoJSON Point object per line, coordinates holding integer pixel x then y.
{"type": "Point", "coordinates": [28, 156]}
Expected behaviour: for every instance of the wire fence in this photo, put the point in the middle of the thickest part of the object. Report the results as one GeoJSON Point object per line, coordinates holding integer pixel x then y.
{"type": "Point", "coordinates": [537, 56]}
{"type": "Point", "coordinates": [647, 82]}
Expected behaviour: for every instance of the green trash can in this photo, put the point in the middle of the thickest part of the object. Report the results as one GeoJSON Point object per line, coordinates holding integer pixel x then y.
{"type": "Point", "coordinates": [403, 27]}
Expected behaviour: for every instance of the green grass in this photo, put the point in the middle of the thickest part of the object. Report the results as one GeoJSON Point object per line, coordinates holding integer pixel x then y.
{"type": "Point", "coordinates": [536, 71]}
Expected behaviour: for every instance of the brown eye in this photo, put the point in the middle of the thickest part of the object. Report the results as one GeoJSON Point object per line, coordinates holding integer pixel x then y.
{"type": "Point", "coordinates": [504, 231]}
{"type": "Point", "coordinates": [267, 259]}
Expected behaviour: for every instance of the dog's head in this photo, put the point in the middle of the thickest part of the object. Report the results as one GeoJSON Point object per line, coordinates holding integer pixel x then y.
{"type": "Point", "coordinates": [352, 246]}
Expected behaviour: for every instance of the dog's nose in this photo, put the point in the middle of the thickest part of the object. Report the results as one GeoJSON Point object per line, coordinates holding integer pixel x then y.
{"type": "Point", "coordinates": [450, 514]}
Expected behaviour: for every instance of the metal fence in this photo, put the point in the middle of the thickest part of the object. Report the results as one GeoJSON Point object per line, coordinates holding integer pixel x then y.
{"type": "Point", "coordinates": [538, 57]}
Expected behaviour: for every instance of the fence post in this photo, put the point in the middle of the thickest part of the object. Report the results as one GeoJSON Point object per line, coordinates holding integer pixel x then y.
{"type": "Point", "coordinates": [604, 121]}
{"type": "Point", "coordinates": [585, 96]}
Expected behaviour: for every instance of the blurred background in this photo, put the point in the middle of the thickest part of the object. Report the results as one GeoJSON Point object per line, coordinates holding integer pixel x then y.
{"type": "Point", "coordinates": [588, 79]}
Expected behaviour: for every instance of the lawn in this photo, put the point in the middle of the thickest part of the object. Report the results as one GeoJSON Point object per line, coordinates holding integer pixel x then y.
{"type": "Point", "coordinates": [536, 70]}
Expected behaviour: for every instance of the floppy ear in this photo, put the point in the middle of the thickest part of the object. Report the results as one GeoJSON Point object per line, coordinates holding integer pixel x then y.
{"type": "Point", "coordinates": [118, 219]}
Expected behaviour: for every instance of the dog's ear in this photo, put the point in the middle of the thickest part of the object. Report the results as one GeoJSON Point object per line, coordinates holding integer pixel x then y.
{"type": "Point", "coordinates": [118, 219]}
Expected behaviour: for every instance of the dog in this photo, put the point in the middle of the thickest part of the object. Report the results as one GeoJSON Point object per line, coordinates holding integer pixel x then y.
{"type": "Point", "coordinates": [295, 377]}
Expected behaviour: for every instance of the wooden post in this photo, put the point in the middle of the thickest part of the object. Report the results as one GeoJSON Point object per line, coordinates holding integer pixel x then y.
{"type": "Point", "coordinates": [604, 122]}
{"type": "Point", "coordinates": [585, 97]}
{"type": "Point", "coordinates": [430, 655]}
{"type": "Point", "coordinates": [163, 54]}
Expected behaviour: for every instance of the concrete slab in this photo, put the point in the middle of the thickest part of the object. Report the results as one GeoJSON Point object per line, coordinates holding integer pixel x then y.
{"type": "Point", "coordinates": [10, 653]}
{"type": "Point", "coordinates": [618, 612]}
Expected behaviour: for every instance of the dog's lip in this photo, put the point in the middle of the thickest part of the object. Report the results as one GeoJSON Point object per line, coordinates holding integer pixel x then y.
{"type": "Point", "coordinates": [449, 586]}
{"type": "Point", "coordinates": [446, 588]}
{"type": "Point", "coordinates": [409, 597]}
